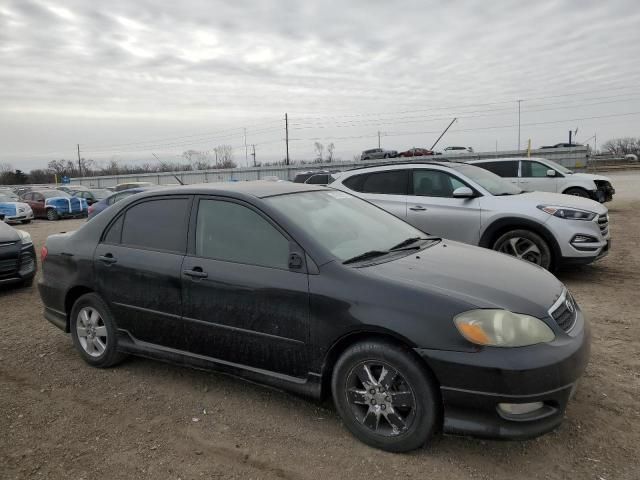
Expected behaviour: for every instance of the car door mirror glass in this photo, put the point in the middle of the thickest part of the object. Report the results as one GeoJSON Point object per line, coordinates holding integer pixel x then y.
{"type": "Point", "coordinates": [463, 192]}
{"type": "Point", "coordinates": [551, 173]}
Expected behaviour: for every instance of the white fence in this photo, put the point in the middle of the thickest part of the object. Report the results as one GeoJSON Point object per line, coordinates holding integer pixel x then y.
{"type": "Point", "coordinates": [574, 158]}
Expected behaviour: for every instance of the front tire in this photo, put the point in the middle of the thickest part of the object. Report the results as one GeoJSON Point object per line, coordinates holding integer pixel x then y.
{"type": "Point", "coordinates": [52, 214]}
{"type": "Point", "coordinates": [385, 397]}
{"type": "Point", "coordinates": [525, 245]}
{"type": "Point", "coordinates": [578, 192]}
{"type": "Point", "coordinates": [94, 333]}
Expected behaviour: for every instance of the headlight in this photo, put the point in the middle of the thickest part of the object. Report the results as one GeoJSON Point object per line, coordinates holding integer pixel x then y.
{"type": "Point", "coordinates": [502, 328]}
{"type": "Point", "coordinates": [25, 238]}
{"type": "Point", "coordinates": [568, 213]}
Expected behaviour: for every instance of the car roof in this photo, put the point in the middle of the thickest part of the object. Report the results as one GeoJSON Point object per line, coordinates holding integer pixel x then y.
{"type": "Point", "coordinates": [255, 188]}
{"type": "Point", "coordinates": [505, 159]}
{"type": "Point", "coordinates": [443, 163]}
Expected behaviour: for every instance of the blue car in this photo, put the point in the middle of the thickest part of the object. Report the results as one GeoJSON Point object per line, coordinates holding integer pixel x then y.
{"type": "Point", "coordinates": [13, 210]}
{"type": "Point", "coordinates": [105, 203]}
{"type": "Point", "coordinates": [55, 204]}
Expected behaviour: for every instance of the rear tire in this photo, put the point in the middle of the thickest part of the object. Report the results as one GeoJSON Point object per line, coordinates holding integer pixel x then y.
{"type": "Point", "coordinates": [94, 332]}
{"type": "Point", "coordinates": [396, 411]}
{"type": "Point", "coordinates": [52, 214]}
{"type": "Point", "coordinates": [525, 245]}
{"type": "Point", "coordinates": [578, 192]}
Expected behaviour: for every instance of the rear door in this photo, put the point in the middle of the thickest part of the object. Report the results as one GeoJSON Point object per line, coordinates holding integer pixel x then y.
{"type": "Point", "coordinates": [533, 177]}
{"type": "Point", "coordinates": [432, 208]}
{"type": "Point", "coordinates": [245, 289]}
{"type": "Point", "coordinates": [386, 189]}
{"type": "Point", "coordinates": [138, 266]}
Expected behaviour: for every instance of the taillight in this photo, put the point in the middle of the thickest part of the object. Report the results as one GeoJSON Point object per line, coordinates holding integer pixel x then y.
{"type": "Point", "coordinates": [91, 208]}
{"type": "Point", "coordinates": [43, 254]}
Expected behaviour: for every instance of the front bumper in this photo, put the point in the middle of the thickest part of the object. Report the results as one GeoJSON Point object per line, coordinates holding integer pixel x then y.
{"type": "Point", "coordinates": [595, 236]}
{"type": "Point", "coordinates": [474, 383]}
{"type": "Point", "coordinates": [19, 218]}
{"type": "Point", "coordinates": [20, 268]}
{"type": "Point", "coordinates": [603, 194]}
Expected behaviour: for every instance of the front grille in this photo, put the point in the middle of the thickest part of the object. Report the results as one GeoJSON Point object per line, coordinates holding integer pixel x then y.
{"type": "Point", "coordinates": [603, 223]}
{"type": "Point", "coordinates": [565, 313]}
{"type": "Point", "coordinates": [27, 264]}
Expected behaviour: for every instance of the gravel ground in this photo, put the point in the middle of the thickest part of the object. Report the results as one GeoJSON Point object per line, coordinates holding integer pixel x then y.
{"type": "Point", "coordinates": [60, 418]}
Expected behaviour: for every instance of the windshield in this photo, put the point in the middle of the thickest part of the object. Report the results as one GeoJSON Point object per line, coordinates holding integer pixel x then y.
{"type": "Point", "coordinates": [558, 167]}
{"type": "Point", "coordinates": [343, 224]}
{"type": "Point", "coordinates": [54, 193]}
{"type": "Point", "coordinates": [491, 182]}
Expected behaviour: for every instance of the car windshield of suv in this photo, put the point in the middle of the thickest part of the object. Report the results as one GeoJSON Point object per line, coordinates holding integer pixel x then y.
{"type": "Point", "coordinates": [491, 182]}
{"type": "Point", "coordinates": [343, 224]}
{"type": "Point", "coordinates": [54, 193]}
{"type": "Point", "coordinates": [558, 167]}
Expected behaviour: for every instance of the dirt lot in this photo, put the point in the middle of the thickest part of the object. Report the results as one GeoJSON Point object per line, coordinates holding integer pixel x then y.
{"type": "Point", "coordinates": [60, 418]}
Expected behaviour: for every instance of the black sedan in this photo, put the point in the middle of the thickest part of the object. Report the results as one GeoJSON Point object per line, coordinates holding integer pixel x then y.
{"type": "Point", "coordinates": [320, 293]}
{"type": "Point", "coordinates": [17, 256]}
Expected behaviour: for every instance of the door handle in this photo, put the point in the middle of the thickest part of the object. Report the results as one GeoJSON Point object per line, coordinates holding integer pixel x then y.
{"type": "Point", "coordinates": [524, 181]}
{"type": "Point", "coordinates": [195, 273]}
{"type": "Point", "coordinates": [107, 258]}
{"type": "Point", "coordinates": [417, 208]}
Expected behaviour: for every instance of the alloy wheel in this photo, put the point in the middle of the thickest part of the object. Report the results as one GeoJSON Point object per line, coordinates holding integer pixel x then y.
{"type": "Point", "coordinates": [522, 248]}
{"type": "Point", "coordinates": [380, 398]}
{"type": "Point", "coordinates": [92, 332]}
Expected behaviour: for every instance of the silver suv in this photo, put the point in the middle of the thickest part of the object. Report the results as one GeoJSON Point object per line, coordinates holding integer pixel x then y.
{"type": "Point", "coordinates": [377, 153]}
{"type": "Point", "coordinates": [462, 202]}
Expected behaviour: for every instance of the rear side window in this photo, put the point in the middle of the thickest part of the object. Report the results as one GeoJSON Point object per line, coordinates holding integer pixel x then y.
{"type": "Point", "coordinates": [533, 169]}
{"type": "Point", "coordinates": [234, 233]}
{"type": "Point", "coordinates": [393, 182]}
{"type": "Point", "coordinates": [157, 225]}
{"type": "Point", "coordinates": [502, 169]}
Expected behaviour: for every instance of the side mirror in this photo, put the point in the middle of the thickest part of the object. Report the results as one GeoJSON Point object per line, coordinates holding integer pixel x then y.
{"type": "Point", "coordinates": [463, 192]}
{"type": "Point", "coordinates": [551, 173]}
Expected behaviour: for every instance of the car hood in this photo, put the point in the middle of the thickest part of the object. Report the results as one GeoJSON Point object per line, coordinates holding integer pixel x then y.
{"type": "Point", "coordinates": [8, 234]}
{"type": "Point", "coordinates": [589, 176]}
{"type": "Point", "coordinates": [556, 199]}
{"type": "Point", "coordinates": [479, 277]}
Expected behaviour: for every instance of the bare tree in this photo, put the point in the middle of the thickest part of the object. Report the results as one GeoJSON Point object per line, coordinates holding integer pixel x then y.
{"type": "Point", "coordinates": [319, 148]}
{"type": "Point", "coordinates": [622, 146]}
{"type": "Point", "coordinates": [330, 149]}
{"type": "Point", "coordinates": [224, 156]}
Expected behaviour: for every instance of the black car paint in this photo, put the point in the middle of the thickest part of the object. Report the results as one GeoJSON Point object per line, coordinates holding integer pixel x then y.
{"type": "Point", "coordinates": [165, 314]}
{"type": "Point", "coordinates": [12, 256]}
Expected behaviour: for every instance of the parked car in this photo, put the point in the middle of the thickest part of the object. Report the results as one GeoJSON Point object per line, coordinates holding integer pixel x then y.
{"type": "Point", "coordinates": [128, 185]}
{"type": "Point", "coordinates": [71, 188]}
{"type": "Point", "coordinates": [55, 204]}
{"type": "Point", "coordinates": [317, 177]}
{"type": "Point", "coordinates": [541, 174]}
{"type": "Point", "coordinates": [463, 202]}
{"type": "Point", "coordinates": [92, 195]}
{"type": "Point", "coordinates": [562, 145]}
{"type": "Point", "coordinates": [417, 152]}
{"type": "Point", "coordinates": [101, 205]}
{"type": "Point", "coordinates": [377, 153]}
{"type": "Point", "coordinates": [13, 209]}
{"type": "Point", "coordinates": [455, 150]}
{"type": "Point", "coordinates": [17, 256]}
{"type": "Point", "coordinates": [318, 292]}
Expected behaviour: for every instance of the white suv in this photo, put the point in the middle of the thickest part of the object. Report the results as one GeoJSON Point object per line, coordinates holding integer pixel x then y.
{"type": "Point", "coordinates": [462, 202]}
{"type": "Point", "coordinates": [548, 176]}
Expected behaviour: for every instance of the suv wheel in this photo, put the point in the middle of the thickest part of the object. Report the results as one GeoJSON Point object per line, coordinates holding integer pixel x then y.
{"type": "Point", "coordinates": [578, 192]}
{"type": "Point", "coordinates": [384, 396]}
{"type": "Point", "coordinates": [94, 333]}
{"type": "Point", "coordinates": [525, 245]}
{"type": "Point", "coordinates": [52, 214]}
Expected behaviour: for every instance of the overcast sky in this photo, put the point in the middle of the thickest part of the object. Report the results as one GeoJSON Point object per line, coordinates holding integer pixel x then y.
{"type": "Point", "coordinates": [126, 79]}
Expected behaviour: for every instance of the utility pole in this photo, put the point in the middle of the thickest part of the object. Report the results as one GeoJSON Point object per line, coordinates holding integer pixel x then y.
{"type": "Point", "coordinates": [253, 154]}
{"type": "Point", "coordinates": [79, 163]}
{"type": "Point", "coordinates": [595, 143]}
{"type": "Point", "coordinates": [570, 133]}
{"type": "Point", "coordinates": [246, 156]}
{"type": "Point", "coordinates": [519, 102]}
{"type": "Point", "coordinates": [286, 133]}
{"type": "Point", "coordinates": [378, 138]}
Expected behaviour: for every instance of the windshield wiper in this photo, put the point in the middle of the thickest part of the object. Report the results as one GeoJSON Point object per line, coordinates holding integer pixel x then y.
{"type": "Point", "coordinates": [365, 256]}
{"type": "Point", "coordinates": [406, 243]}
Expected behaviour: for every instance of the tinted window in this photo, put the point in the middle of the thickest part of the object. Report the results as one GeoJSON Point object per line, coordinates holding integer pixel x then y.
{"type": "Point", "coordinates": [234, 233]}
{"type": "Point", "coordinates": [434, 183]}
{"type": "Point", "coordinates": [157, 225]}
{"type": "Point", "coordinates": [502, 169]}
{"type": "Point", "coordinates": [319, 179]}
{"type": "Point", "coordinates": [393, 182]}
{"type": "Point", "coordinates": [115, 231]}
{"type": "Point", "coordinates": [533, 169]}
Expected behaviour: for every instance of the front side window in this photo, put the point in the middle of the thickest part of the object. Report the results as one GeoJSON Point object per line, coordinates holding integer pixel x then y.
{"type": "Point", "coordinates": [434, 183]}
{"type": "Point", "coordinates": [507, 169]}
{"type": "Point", "coordinates": [392, 182]}
{"type": "Point", "coordinates": [157, 225]}
{"type": "Point", "coordinates": [234, 233]}
{"type": "Point", "coordinates": [533, 169]}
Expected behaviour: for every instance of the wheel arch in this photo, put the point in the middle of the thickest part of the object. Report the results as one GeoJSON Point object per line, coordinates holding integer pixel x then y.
{"type": "Point", "coordinates": [503, 225]}
{"type": "Point", "coordinates": [73, 294]}
{"type": "Point", "coordinates": [340, 345]}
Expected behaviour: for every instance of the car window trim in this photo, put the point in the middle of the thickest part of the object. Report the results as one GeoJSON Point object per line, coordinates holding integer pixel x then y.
{"type": "Point", "coordinates": [294, 246]}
